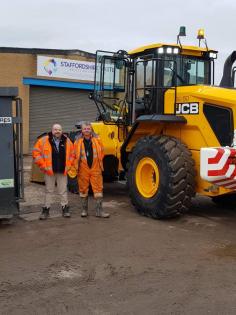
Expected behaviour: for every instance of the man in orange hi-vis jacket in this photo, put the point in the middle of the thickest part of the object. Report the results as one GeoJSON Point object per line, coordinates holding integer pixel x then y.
{"type": "Point", "coordinates": [54, 154]}
{"type": "Point", "coordinates": [88, 162]}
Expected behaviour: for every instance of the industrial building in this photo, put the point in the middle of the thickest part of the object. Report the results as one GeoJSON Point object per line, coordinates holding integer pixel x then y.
{"type": "Point", "coordinates": [53, 85]}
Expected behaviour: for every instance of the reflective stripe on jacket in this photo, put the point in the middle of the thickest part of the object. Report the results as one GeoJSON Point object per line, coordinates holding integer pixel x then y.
{"type": "Point", "coordinates": [80, 151]}
{"type": "Point", "coordinates": [42, 155]}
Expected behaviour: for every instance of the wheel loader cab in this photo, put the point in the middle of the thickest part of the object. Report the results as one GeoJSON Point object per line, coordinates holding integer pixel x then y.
{"type": "Point", "coordinates": [130, 85]}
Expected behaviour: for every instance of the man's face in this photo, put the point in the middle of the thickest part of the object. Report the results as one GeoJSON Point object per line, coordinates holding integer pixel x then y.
{"type": "Point", "coordinates": [86, 131]}
{"type": "Point", "coordinates": [57, 131]}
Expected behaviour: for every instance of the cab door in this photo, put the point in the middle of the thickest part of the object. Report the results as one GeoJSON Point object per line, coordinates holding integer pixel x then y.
{"type": "Point", "coordinates": [112, 87]}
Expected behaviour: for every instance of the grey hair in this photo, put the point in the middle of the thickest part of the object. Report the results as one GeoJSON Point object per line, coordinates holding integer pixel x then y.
{"type": "Point", "coordinates": [86, 123]}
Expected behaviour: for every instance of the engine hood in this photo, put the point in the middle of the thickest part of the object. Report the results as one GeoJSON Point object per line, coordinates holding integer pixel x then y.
{"type": "Point", "coordinates": [210, 94]}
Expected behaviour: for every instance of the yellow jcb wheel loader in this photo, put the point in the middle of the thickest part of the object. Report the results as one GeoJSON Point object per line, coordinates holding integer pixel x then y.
{"type": "Point", "coordinates": [166, 123]}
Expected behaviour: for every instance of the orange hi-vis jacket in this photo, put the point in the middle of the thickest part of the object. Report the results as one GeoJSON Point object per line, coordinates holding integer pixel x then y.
{"type": "Point", "coordinates": [80, 156]}
{"type": "Point", "coordinates": [42, 155]}
{"type": "Point", "coordinates": [87, 175]}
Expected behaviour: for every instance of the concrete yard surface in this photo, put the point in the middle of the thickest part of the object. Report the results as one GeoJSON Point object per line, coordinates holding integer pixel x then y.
{"type": "Point", "coordinates": [127, 264]}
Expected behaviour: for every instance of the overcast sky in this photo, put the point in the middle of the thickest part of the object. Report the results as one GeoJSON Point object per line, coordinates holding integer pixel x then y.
{"type": "Point", "coordinates": [112, 25]}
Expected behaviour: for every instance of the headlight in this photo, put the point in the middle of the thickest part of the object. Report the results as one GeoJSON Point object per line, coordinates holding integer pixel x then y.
{"type": "Point", "coordinates": [213, 55]}
{"type": "Point", "coordinates": [168, 50]}
{"type": "Point", "coordinates": [175, 51]}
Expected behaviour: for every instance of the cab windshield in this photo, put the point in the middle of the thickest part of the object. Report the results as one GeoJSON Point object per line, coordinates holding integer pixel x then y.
{"type": "Point", "coordinates": [188, 71]}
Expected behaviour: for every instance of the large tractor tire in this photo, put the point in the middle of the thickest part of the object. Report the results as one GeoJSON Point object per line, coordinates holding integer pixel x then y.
{"type": "Point", "coordinates": [110, 164]}
{"type": "Point", "coordinates": [161, 177]}
{"type": "Point", "coordinates": [72, 184]}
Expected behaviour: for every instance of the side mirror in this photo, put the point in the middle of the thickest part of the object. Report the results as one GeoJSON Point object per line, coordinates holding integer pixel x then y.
{"type": "Point", "coordinates": [119, 64]}
{"type": "Point", "coordinates": [91, 96]}
{"type": "Point", "coordinates": [78, 125]}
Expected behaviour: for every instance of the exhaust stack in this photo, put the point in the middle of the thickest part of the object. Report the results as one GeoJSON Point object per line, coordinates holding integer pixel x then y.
{"type": "Point", "coordinates": [227, 80]}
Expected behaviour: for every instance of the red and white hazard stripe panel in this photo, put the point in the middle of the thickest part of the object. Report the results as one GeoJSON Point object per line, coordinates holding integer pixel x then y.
{"type": "Point", "coordinates": [218, 166]}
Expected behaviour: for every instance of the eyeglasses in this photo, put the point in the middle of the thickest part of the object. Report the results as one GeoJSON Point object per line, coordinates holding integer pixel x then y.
{"type": "Point", "coordinates": [87, 129]}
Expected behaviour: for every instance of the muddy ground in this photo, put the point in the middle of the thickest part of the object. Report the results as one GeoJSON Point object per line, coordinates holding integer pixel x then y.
{"type": "Point", "coordinates": [127, 264]}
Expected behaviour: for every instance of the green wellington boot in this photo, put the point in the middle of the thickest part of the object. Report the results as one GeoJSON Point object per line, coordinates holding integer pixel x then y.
{"type": "Point", "coordinates": [100, 213]}
{"type": "Point", "coordinates": [84, 202]}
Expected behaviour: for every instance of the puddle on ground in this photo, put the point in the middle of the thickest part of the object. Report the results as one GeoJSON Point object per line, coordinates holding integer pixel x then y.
{"type": "Point", "coordinates": [114, 204]}
{"type": "Point", "coordinates": [226, 251]}
{"type": "Point", "coordinates": [68, 274]}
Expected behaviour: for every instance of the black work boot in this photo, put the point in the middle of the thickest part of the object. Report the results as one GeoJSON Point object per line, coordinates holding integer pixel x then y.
{"type": "Point", "coordinates": [84, 202]}
{"type": "Point", "coordinates": [44, 214]}
{"type": "Point", "coordinates": [66, 211]}
{"type": "Point", "coordinates": [100, 213]}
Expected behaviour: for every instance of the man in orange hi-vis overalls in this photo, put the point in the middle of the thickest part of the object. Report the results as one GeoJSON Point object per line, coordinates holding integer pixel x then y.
{"type": "Point", "coordinates": [88, 162]}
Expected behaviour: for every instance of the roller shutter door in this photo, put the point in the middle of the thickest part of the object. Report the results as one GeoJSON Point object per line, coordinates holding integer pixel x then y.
{"type": "Point", "coordinates": [50, 105]}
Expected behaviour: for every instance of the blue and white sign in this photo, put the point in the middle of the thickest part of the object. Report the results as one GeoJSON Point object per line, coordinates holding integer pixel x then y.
{"type": "Point", "coordinates": [65, 68]}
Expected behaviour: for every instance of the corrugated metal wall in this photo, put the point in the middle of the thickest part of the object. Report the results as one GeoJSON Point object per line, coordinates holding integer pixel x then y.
{"type": "Point", "coordinates": [50, 105]}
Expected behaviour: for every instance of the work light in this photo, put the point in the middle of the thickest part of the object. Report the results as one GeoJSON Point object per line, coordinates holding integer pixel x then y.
{"type": "Point", "coordinates": [160, 50]}
{"type": "Point", "coordinates": [212, 55]}
{"type": "Point", "coordinates": [169, 50]}
{"type": "Point", "coordinates": [175, 50]}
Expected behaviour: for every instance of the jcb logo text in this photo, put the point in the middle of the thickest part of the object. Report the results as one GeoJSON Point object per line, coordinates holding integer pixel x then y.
{"type": "Point", "coordinates": [187, 108]}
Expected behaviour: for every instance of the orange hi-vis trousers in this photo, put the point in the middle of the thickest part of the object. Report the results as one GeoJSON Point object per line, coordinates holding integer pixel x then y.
{"type": "Point", "coordinates": [91, 176]}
